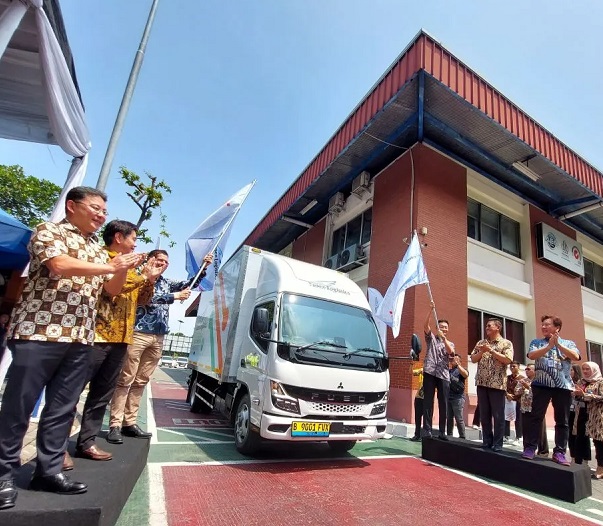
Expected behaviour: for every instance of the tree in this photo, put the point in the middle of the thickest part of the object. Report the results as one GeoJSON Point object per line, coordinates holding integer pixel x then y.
{"type": "Point", "coordinates": [148, 198]}
{"type": "Point", "coordinates": [25, 197]}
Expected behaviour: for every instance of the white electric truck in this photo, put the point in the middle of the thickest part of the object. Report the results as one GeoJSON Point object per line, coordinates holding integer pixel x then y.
{"type": "Point", "coordinates": [288, 351]}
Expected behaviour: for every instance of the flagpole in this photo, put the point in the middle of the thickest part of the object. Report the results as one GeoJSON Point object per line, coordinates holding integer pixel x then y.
{"type": "Point", "coordinates": [125, 102]}
{"type": "Point", "coordinates": [428, 287]}
{"type": "Point", "coordinates": [224, 230]}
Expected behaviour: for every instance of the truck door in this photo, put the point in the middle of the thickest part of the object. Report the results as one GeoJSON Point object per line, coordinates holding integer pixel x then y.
{"type": "Point", "coordinates": [256, 363]}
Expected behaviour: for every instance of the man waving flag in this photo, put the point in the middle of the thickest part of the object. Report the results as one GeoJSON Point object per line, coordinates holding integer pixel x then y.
{"type": "Point", "coordinates": [410, 272]}
{"type": "Point", "coordinates": [211, 236]}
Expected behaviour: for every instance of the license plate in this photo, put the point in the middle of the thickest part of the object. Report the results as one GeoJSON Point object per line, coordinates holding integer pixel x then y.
{"type": "Point", "coordinates": [310, 429]}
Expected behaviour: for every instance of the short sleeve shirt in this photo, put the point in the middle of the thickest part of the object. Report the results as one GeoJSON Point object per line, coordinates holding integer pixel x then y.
{"type": "Point", "coordinates": [552, 369]}
{"type": "Point", "coordinates": [57, 308]}
{"type": "Point", "coordinates": [490, 372]}
{"type": "Point", "coordinates": [436, 357]}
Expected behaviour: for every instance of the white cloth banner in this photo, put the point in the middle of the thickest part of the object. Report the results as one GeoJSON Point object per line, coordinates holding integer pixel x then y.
{"type": "Point", "coordinates": [63, 105]}
{"type": "Point", "coordinates": [9, 22]}
{"type": "Point", "coordinates": [375, 298]}
{"type": "Point", "coordinates": [211, 236]}
{"type": "Point", "coordinates": [410, 272]}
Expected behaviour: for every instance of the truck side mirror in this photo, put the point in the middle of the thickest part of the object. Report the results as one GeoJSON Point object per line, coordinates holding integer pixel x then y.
{"type": "Point", "coordinates": [415, 347]}
{"type": "Point", "coordinates": [260, 322]}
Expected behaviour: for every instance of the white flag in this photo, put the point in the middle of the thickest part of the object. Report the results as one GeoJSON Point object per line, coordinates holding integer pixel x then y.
{"type": "Point", "coordinates": [375, 298]}
{"type": "Point", "coordinates": [410, 272]}
{"type": "Point", "coordinates": [211, 236]}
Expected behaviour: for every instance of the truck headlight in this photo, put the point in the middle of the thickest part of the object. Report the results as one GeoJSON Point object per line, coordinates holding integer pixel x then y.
{"type": "Point", "coordinates": [281, 399]}
{"type": "Point", "coordinates": [380, 407]}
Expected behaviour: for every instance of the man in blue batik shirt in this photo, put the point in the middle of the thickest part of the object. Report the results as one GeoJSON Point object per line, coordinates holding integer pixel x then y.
{"type": "Point", "coordinates": [553, 357]}
{"type": "Point", "coordinates": [143, 355]}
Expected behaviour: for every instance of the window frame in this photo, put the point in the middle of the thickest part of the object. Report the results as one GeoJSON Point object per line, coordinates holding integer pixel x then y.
{"type": "Point", "coordinates": [519, 352]}
{"type": "Point", "coordinates": [595, 285]}
{"type": "Point", "coordinates": [343, 243]}
{"type": "Point", "coordinates": [476, 223]}
{"type": "Point", "coordinates": [261, 343]}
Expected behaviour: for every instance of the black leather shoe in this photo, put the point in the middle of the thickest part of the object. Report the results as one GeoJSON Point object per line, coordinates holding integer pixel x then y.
{"type": "Point", "coordinates": [8, 494]}
{"type": "Point", "coordinates": [114, 436]}
{"type": "Point", "coordinates": [444, 438]}
{"type": "Point", "coordinates": [59, 483]}
{"type": "Point", "coordinates": [415, 439]}
{"type": "Point", "coordinates": [135, 431]}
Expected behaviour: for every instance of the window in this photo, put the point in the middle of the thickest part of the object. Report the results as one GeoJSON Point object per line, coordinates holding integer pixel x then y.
{"type": "Point", "coordinates": [492, 228]}
{"type": "Point", "coordinates": [594, 353]}
{"type": "Point", "coordinates": [356, 231]}
{"type": "Point", "coordinates": [512, 330]}
{"type": "Point", "coordinates": [260, 342]}
{"type": "Point", "coordinates": [593, 276]}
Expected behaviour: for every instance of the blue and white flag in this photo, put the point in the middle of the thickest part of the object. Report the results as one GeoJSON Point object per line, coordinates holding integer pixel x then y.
{"type": "Point", "coordinates": [410, 272]}
{"type": "Point", "coordinates": [375, 298]}
{"type": "Point", "coordinates": [211, 237]}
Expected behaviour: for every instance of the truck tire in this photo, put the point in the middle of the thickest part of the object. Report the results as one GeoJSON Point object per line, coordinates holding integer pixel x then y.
{"type": "Point", "coordinates": [247, 440]}
{"type": "Point", "coordinates": [341, 446]}
{"type": "Point", "coordinates": [195, 404]}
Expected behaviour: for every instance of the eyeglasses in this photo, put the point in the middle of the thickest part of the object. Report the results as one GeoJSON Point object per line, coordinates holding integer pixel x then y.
{"type": "Point", "coordinates": [95, 208]}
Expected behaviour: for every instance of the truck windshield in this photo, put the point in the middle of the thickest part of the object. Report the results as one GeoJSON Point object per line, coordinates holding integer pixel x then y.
{"type": "Point", "coordinates": [326, 333]}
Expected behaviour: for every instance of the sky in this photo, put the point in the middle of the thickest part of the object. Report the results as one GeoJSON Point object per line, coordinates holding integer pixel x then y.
{"type": "Point", "coordinates": [235, 91]}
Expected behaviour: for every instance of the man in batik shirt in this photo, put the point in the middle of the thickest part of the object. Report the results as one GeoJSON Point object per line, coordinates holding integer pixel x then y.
{"type": "Point", "coordinates": [552, 382]}
{"type": "Point", "coordinates": [492, 356]}
{"type": "Point", "coordinates": [52, 329]}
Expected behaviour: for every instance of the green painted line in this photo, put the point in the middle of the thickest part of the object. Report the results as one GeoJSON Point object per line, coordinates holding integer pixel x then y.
{"type": "Point", "coordinates": [136, 510]}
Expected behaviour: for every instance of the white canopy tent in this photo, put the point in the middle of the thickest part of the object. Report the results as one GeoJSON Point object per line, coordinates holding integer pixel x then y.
{"type": "Point", "coordinates": [39, 97]}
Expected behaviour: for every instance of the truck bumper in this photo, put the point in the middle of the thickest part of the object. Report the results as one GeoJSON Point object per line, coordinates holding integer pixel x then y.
{"type": "Point", "coordinates": [274, 427]}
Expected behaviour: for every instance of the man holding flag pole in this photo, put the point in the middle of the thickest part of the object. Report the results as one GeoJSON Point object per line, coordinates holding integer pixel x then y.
{"type": "Point", "coordinates": [152, 320]}
{"type": "Point", "coordinates": [412, 272]}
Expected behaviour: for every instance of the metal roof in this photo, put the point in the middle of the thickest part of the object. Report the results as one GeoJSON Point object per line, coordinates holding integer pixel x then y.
{"type": "Point", "coordinates": [428, 95]}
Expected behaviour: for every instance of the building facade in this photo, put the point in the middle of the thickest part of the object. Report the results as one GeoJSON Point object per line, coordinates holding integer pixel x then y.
{"type": "Point", "coordinates": [509, 217]}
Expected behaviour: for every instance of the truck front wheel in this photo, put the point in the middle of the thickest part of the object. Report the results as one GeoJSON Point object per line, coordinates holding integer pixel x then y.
{"type": "Point", "coordinates": [247, 440]}
{"type": "Point", "coordinates": [341, 446]}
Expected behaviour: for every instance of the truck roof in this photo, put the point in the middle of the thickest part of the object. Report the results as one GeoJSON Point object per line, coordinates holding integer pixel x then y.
{"type": "Point", "coordinates": [291, 275]}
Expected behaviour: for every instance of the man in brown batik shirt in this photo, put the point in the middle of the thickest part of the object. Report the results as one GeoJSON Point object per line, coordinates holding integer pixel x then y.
{"type": "Point", "coordinates": [52, 328]}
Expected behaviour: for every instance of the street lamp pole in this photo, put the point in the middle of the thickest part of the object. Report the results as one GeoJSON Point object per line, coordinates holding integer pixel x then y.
{"type": "Point", "coordinates": [125, 101]}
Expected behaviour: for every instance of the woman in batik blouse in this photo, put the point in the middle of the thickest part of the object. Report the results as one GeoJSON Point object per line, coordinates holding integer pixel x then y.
{"type": "Point", "coordinates": [591, 393]}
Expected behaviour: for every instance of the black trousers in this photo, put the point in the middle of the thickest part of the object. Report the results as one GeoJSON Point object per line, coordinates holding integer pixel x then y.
{"type": "Point", "coordinates": [492, 414]}
{"type": "Point", "coordinates": [561, 400]}
{"type": "Point", "coordinates": [106, 361]}
{"type": "Point", "coordinates": [61, 368]}
{"type": "Point", "coordinates": [430, 384]}
{"type": "Point", "coordinates": [418, 416]}
{"type": "Point", "coordinates": [543, 440]}
{"type": "Point", "coordinates": [476, 419]}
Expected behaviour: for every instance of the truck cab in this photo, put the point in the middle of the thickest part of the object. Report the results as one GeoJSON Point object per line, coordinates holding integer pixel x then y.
{"type": "Point", "coordinates": [301, 361]}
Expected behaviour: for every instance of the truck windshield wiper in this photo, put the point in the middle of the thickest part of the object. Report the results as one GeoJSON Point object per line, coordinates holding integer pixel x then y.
{"type": "Point", "coordinates": [320, 342]}
{"type": "Point", "coordinates": [363, 349]}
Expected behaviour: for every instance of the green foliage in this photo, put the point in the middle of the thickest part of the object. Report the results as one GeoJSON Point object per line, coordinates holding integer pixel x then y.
{"type": "Point", "coordinates": [25, 197]}
{"type": "Point", "coordinates": [148, 198]}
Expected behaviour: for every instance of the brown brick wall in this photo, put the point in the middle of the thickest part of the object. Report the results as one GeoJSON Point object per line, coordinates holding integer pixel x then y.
{"type": "Point", "coordinates": [308, 247]}
{"type": "Point", "coordinates": [556, 292]}
{"type": "Point", "coordinates": [440, 204]}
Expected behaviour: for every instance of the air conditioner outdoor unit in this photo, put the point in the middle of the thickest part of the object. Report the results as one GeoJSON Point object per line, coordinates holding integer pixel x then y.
{"type": "Point", "coordinates": [336, 203]}
{"type": "Point", "coordinates": [332, 262]}
{"type": "Point", "coordinates": [350, 258]}
{"type": "Point", "coordinates": [360, 184]}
